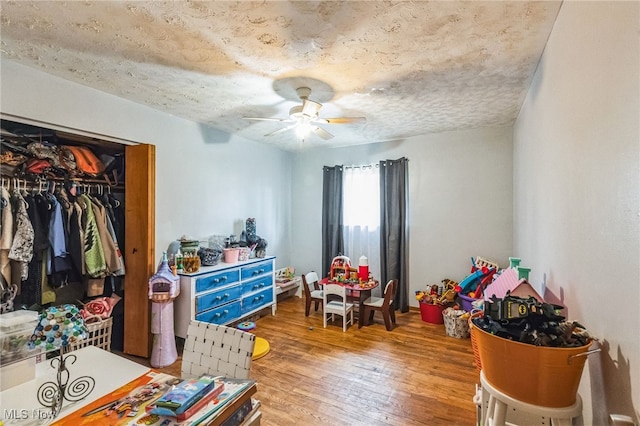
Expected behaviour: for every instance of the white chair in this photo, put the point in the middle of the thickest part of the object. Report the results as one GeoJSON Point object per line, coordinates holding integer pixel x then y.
{"type": "Point", "coordinates": [217, 350]}
{"type": "Point", "coordinates": [331, 306]}
{"type": "Point", "coordinates": [315, 295]}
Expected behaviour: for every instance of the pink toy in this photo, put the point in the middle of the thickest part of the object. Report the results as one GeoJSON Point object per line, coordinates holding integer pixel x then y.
{"type": "Point", "coordinates": [508, 281]}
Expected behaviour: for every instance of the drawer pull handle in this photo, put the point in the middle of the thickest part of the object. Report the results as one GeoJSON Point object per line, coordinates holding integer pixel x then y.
{"type": "Point", "coordinates": [258, 272]}
{"type": "Point", "coordinates": [217, 315]}
{"type": "Point", "coordinates": [222, 278]}
{"type": "Point", "coordinates": [218, 298]}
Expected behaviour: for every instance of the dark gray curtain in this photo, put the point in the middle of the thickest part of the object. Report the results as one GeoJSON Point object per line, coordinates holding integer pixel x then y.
{"type": "Point", "coordinates": [394, 227]}
{"type": "Point", "coordinates": [332, 239]}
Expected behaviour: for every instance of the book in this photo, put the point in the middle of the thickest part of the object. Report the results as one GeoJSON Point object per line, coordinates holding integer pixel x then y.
{"type": "Point", "coordinates": [236, 393]}
{"type": "Point", "coordinates": [186, 393]}
{"type": "Point", "coordinates": [240, 414]}
{"type": "Point", "coordinates": [187, 412]}
{"type": "Point", "coordinates": [253, 416]}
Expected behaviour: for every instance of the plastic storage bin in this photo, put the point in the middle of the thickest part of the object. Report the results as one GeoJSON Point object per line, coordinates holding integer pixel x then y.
{"type": "Point", "coordinates": [431, 313]}
{"type": "Point", "coordinates": [15, 330]}
{"type": "Point", "coordinates": [466, 302]}
{"type": "Point", "coordinates": [18, 362]}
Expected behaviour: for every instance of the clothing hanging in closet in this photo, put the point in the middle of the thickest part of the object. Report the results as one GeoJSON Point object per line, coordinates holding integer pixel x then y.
{"type": "Point", "coordinates": [50, 240]}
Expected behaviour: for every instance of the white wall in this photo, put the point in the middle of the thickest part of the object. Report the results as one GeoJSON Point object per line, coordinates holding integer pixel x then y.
{"type": "Point", "coordinates": [206, 182]}
{"type": "Point", "coordinates": [576, 180]}
{"type": "Point", "coordinates": [460, 201]}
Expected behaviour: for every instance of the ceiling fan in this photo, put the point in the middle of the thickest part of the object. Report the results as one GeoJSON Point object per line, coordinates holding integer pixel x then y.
{"type": "Point", "coordinates": [304, 118]}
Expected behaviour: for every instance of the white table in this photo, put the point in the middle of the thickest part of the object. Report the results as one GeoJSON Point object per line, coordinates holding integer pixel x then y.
{"type": "Point", "coordinates": [19, 405]}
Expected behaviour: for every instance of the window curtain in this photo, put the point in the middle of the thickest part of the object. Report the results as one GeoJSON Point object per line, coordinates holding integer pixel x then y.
{"type": "Point", "coordinates": [361, 230]}
{"type": "Point", "coordinates": [394, 227]}
{"type": "Point", "coordinates": [332, 222]}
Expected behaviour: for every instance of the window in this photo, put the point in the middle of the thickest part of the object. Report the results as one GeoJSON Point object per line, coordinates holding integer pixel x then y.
{"type": "Point", "coordinates": [361, 215]}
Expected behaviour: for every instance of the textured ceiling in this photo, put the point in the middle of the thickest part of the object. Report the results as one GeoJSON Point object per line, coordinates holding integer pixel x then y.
{"type": "Point", "coordinates": [409, 67]}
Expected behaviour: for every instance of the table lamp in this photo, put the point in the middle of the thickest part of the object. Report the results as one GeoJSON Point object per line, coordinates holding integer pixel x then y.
{"type": "Point", "coordinates": [58, 328]}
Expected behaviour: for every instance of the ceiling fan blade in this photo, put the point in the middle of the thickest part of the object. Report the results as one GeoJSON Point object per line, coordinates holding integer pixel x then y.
{"type": "Point", "coordinates": [284, 129]}
{"type": "Point", "coordinates": [341, 120]}
{"type": "Point", "coordinates": [310, 108]}
{"type": "Point", "coordinates": [268, 119]}
{"type": "Point", "coordinates": [321, 132]}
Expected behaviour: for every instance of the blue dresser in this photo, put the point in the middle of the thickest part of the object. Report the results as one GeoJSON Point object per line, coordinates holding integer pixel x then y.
{"type": "Point", "coordinates": [225, 293]}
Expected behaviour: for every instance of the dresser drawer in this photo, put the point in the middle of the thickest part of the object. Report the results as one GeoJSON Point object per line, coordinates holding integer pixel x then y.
{"type": "Point", "coordinates": [256, 270]}
{"type": "Point", "coordinates": [217, 298]}
{"type": "Point", "coordinates": [257, 284]}
{"type": "Point", "coordinates": [213, 281]}
{"type": "Point", "coordinates": [221, 315]}
{"type": "Point", "coordinates": [257, 300]}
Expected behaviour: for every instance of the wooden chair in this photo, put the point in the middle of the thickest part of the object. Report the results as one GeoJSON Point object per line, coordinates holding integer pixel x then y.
{"type": "Point", "coordinates": [217, 350]}
{"type": "Point", "coordinates": [383, 304]}
{"type": "Point", "coordinates": [310, 295]}
{"type": "Point", "coordinates": [337, 305]}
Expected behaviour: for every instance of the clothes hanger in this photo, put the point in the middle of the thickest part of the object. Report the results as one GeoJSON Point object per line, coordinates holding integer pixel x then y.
{"type": "Point", "coordinates": [114, 201]}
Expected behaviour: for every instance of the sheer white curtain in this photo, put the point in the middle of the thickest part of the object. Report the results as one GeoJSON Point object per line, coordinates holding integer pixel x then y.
{"type": "Point", "coordinates": [361, 215]}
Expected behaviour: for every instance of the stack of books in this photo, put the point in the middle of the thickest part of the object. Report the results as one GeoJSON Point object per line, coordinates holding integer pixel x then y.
{"type": "Point", "coordinates": [165, 399]}
{"type": "Point", "coordinates": [187, 397]}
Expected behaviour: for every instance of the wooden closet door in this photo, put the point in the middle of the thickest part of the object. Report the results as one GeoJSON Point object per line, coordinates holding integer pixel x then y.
{"type": "Point", "coordinates": [140, 259]}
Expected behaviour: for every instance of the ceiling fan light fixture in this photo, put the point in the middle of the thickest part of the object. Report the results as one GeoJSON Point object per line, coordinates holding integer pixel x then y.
{"type": "Point", "coordinates": [303, 129]}
{"type": "Point", "coordinates": [305, 117]}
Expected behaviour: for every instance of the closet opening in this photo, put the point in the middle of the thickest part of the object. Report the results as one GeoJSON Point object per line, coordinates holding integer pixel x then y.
{"type": "Point", "coordinates": [71, 189]}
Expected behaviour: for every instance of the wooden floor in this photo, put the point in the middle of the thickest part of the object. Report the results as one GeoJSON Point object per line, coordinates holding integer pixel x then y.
{"type": "Point", "coordinates": [412, 375]}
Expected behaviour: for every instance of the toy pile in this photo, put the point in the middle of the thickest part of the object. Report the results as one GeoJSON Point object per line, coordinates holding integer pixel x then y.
{"type": "Point", "coordinates": [473, 285]}
{"type": "Point", "coordinates": [526, 320]}
{"type": "Point", "coordinates": [514, 310]}
{"type": "Point", "coordinates": [444, 294]}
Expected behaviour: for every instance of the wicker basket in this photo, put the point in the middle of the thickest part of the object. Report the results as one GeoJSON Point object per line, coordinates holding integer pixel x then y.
{"type": "Point", "coordinates": [99, 334]}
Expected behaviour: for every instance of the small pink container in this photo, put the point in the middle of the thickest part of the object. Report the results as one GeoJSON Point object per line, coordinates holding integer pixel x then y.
{"type": "Point", "coordinates": [231, 255]}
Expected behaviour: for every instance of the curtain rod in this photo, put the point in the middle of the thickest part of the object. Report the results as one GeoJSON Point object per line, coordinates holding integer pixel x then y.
{"type": "Point", "coordinates": [364, 166]}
